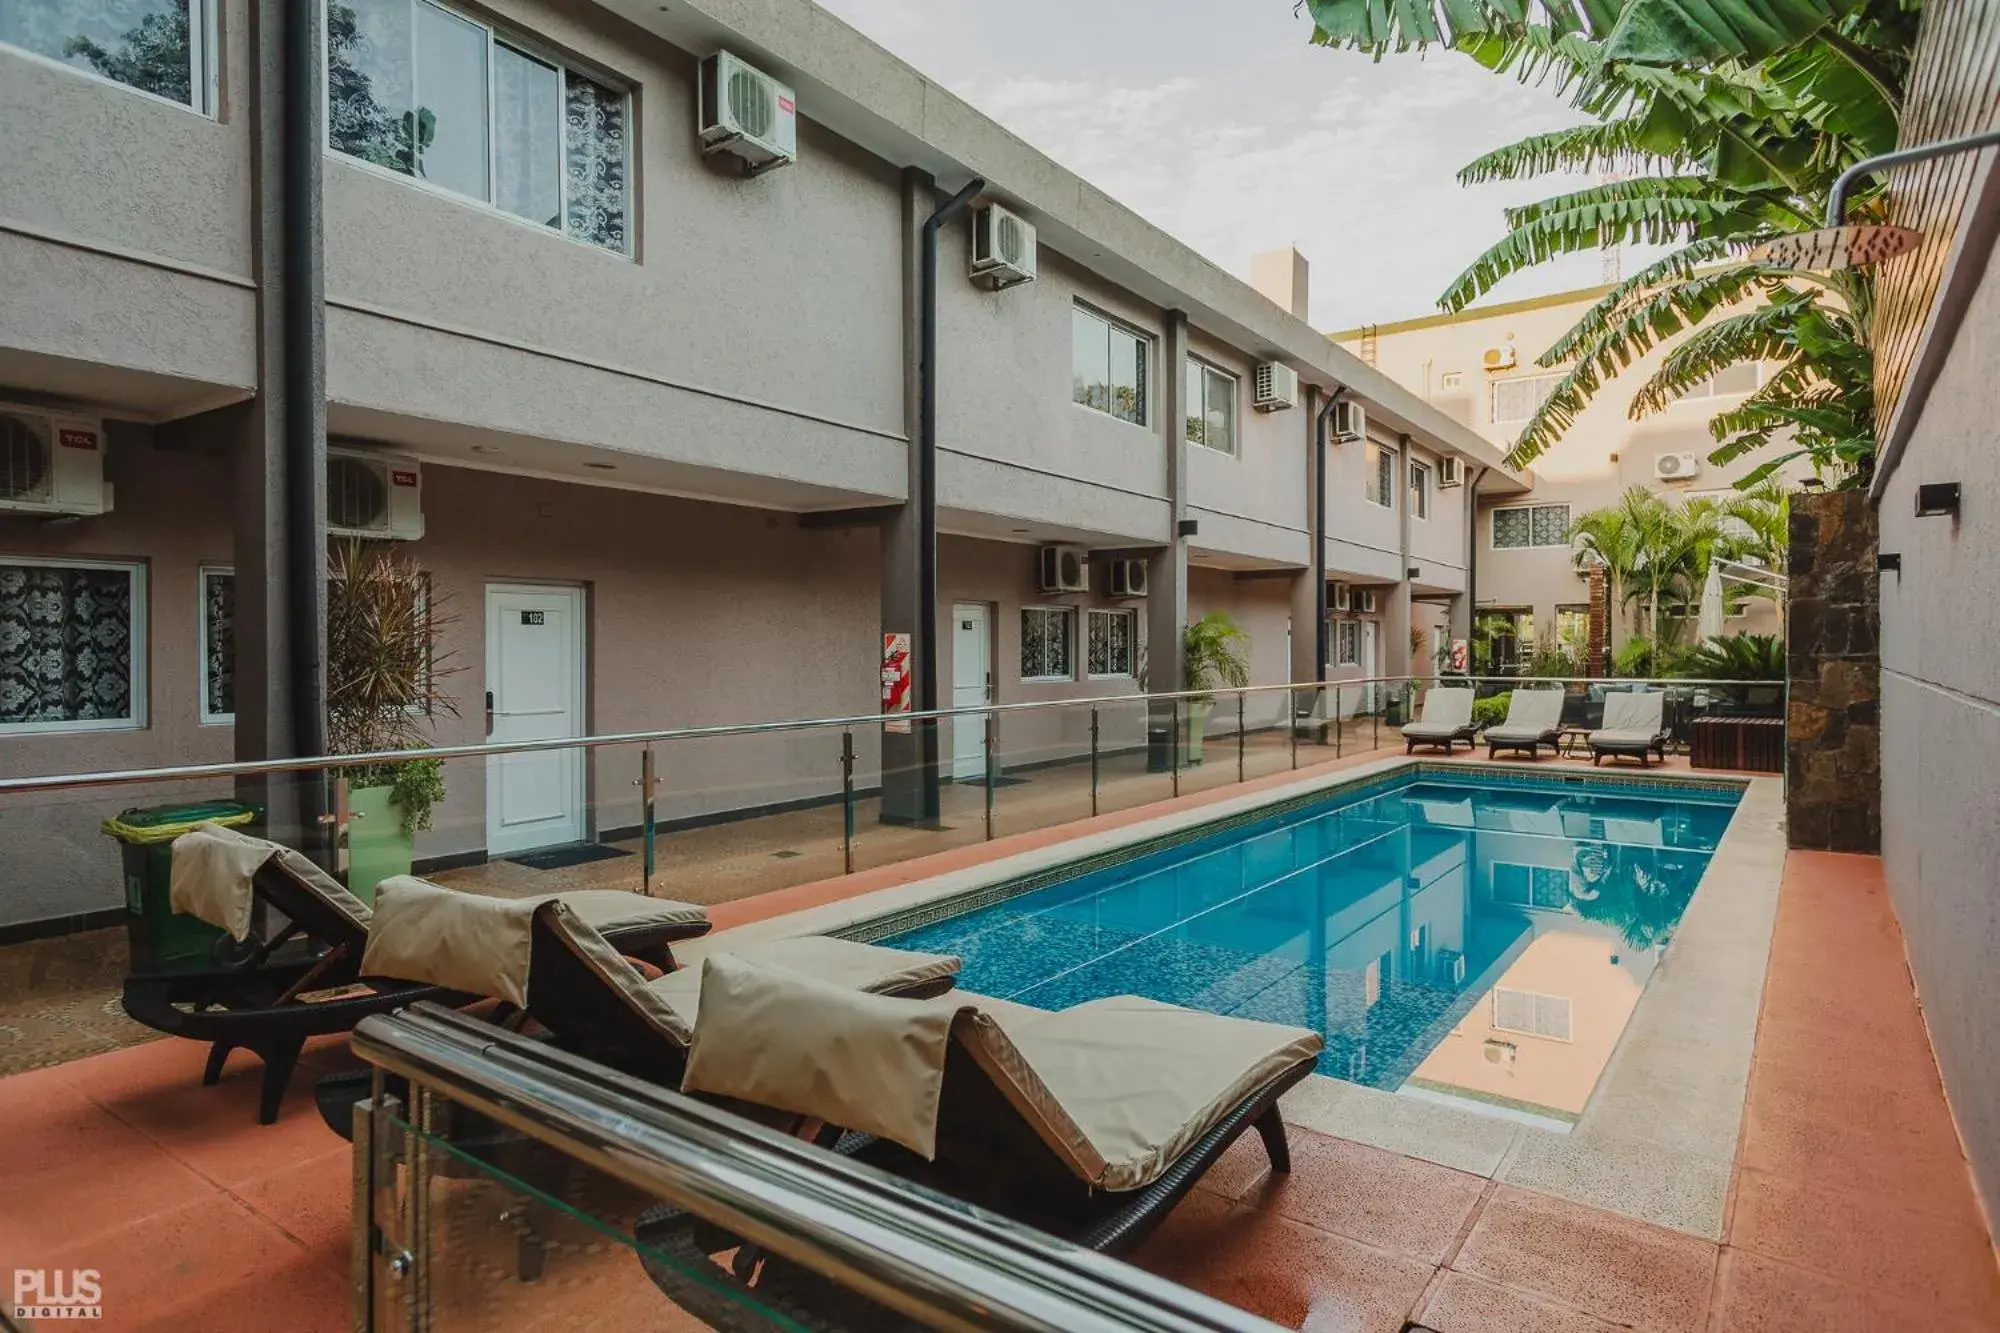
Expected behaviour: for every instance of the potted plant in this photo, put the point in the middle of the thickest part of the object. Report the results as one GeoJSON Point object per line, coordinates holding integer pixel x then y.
{"type": "Point", "coordinates": [1212, 659]}
{"type": "Point", "coordinates": [382, 672]}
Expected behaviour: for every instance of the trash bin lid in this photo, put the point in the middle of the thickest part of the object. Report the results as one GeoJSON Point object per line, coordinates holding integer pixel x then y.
{"type": "Point", "coordinates": [164, 823]}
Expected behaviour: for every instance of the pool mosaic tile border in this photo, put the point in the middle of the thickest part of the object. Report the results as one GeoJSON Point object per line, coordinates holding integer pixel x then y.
{"type": "Point", "coordinates": [1349, 792]}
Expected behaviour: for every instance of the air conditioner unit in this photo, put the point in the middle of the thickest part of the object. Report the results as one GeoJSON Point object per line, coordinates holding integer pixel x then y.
{"type": "Point", "coordinates": [1365, 600]}
{"type": "Point", "coordinates": [1500, 1052]}
{"type": "Point", "coordinates": [1003, 247]}
{"type": "Point", "coordinates": [1342, 598]}
{"type": "Point", "coordinates": [1128, 578]}
{"type": "Point", "coordinates": [52, 464]}
{"type": "Point", "coordinates": [747, 113]}
{"type": "Point", "coordinates": [1451, 472]}
{"type": "Point", "coordinates": [1502, 357]}
{"type": "Point", "coordinates": [1276, 387]}
{"type": "Point", "coordinates": [1063, 569]}
{"type": "Point", "coordinates": [1676, 467]}
{"type": "Point", "coordinates": [1350, 421]}
{"type": "Point", "coordinates": [376, 496]}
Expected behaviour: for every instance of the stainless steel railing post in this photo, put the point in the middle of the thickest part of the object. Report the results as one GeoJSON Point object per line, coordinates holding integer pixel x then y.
{"type": "Point", "coordinates": [990, 776]}
{"type": "Point", "coordinates": [1240, 735]}
{"type": "Point", "coordinates": [1093, 759]}
{"type": "Point", "coordinates": [649, 787]}
{"type": "Point", "coordinates": [1339, 727]}
{"type": "Point", "coordinates": [847, 802]}
{"type": "Point", "coordinates": [1174, 708]}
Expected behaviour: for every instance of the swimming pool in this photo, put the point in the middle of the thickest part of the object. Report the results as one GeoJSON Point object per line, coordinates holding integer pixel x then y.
{"type": "Point", "coordinates": [1481, 937]}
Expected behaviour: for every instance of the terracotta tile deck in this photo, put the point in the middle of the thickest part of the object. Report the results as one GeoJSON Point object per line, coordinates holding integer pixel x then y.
{"type": "Point", "coordinates": [1852, 1208]}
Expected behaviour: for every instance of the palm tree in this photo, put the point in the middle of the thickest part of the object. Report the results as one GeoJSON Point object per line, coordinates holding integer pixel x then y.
{"type": "Point", "coordinates": [1655, 552]}
{"type": "Point", "coordinates": [1738, 145]}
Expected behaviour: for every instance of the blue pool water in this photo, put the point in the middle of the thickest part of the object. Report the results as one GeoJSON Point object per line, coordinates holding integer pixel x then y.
{"type": "Point", "coordinates": [1382, 917]}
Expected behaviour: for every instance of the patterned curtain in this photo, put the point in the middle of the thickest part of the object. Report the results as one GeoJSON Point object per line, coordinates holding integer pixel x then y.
{"type": "Point", "coordinates": [595, 127]}
{"type": "Point", "coordinates": [65, 644]}
{"type": "Point", "coordinates": [218, 595]}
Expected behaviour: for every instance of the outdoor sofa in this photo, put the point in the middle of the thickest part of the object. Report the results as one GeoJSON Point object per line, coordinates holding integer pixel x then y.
{"type": "Point", "coordinates": [1634, 727]}
{"type": "Point", "coordinates": [309, 978]}
{"type": "Point", "coordinates": [1446, 720]}
{"type": "Point", "coordinates": [1534, 719]}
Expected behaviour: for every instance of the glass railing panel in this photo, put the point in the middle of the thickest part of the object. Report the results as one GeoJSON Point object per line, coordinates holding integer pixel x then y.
{"type": "Point", "coordinates": [1267, 728]}
{"type": "Point", "coordinates": [1041, 767]}
{"type": "Point", "coordinates": [498, 1231]}
{"type": "Point", "coordinates": [904, 810]}
{"type": "Point", "coordinates": [745, 813]}
{"type": "Point", "coordinates": [1137, 745]}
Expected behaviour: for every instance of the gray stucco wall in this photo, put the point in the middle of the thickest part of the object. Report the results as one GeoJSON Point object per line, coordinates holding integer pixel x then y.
{"type": "Point", "coordinates": [1941, 728]}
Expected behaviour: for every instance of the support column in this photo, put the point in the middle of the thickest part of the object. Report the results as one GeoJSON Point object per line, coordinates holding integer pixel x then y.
{"type": "Point", "coordinates": [1309, 647]}
{"type": "Point", "coordinates": [280, 436]}
{"type": "Point", "coordinates": [910, 774]}
{"type": "Point", "coordinates": [1396, 616]}
{"type": "Point", "coordinates": [1166, 570]}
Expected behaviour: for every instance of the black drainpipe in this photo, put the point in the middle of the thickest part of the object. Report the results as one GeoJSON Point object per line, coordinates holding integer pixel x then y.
{"type": "Point", "coordinates": [1323, 649]}
{"type": "Point", "coordinates": [305, 448]}
{"type": "Point", "coordinates": [926, 496]}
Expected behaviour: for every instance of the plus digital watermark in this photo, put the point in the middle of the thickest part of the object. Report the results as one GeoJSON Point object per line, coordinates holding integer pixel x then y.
{"type": "Point", "coordinates": [58, 1293]}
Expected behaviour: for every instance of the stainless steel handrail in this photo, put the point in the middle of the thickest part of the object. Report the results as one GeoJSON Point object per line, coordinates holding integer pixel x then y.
{"type": "Point", "coordinates": [321, 763]}
{"type": "Point", "coordinates": [943, 1263]}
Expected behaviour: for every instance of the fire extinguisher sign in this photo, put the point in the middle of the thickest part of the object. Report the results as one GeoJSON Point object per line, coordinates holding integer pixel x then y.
{"type": "Point", "coordinates": [896, 680]}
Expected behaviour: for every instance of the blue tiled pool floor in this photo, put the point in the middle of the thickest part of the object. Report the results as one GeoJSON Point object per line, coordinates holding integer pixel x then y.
{"type": "Point", "coordinates": [1384, 921]}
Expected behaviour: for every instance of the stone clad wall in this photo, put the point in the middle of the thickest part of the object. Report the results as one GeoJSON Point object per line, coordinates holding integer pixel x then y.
{"type": "Point", "coordinates": [1833, 649]}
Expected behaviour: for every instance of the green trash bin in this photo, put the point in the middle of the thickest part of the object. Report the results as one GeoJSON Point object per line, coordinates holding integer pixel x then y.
{"type": "Point", "coordinates": [161, 939]}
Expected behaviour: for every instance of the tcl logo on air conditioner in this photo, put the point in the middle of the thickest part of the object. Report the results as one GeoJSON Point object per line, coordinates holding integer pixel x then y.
{"type": "Point", "coordinates": [77, 439]}
{"type": "Point", "coordinates": [403, 476]}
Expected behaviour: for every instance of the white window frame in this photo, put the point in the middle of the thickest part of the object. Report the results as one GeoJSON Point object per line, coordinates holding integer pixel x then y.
{"type": "Point", "coordinates": [1493, 396]}
{"type": "Point", "coordinates": [203, 71]}
{"type": "Point", "coordinates": [1493, 884]}
{"type": "Point", "coordinates": [1343, 655]}
{"type": "Point", "coordinates": [1069, 619]}
{"type": "Point", "coordinates": [136, 721]}
{"type": "Point", "coordinates": [1704, 392]}
{"type": "Point", "coordinates": [202, 576]}
{"type": "Point", "coordinates": [1092, 613]}
{"type": "Point", "coordinates": [1492, 529]}
{"type": "Point", "coordinates": [527, 47]}
{"type": "Point", "coordinates": [1235, 402]}
{"type": "Point", "coordinates": [1374, 452]}
{"type": "Point", "coordinates": [1569, 1007]}
{"type": "Point", "coordinates": [1450, 380]}
{"type": "Point", "coordinates": [1146, 341]}
{"type": "Point", "coordinates": [1420, 489]}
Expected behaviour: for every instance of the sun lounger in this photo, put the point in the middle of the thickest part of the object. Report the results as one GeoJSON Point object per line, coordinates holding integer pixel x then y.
{"type": "Point", "coordinates": [1446, 720]}
{"type": "Point", "coordinates": [1534, 719]}
{"type": "Point", "coordinates": [1633, 727]}
{"type": "Point", "coordinates": [308, 979]}
{"type": "Point", "coordinates": [571, 978]}
{"type": "Point", "coordinates": [1091, 1123]}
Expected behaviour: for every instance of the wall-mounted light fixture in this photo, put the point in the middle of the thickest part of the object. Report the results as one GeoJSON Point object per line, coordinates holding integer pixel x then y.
{"type": "Point", "coordinates": [1838, 245]}
{"type": "Point", "coordinates": [1889, 562]}
{"type": "Point", "coordinates": [1937, 499]}
{"type": "Point", "coordinates": [1189, 527]}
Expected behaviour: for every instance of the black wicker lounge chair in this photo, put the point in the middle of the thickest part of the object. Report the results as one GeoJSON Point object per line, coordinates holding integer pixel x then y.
{"type": "Point", "coordinates": [1023, 1125]}
{"type": "Point", "coordinates": [1534, 719]}
{"type": "Point", "coordinates": [1446, 721]}
{"type": "Point", "coordinates": [1634, 728]}
{"type": "Point", "coordinates": [306, 980]}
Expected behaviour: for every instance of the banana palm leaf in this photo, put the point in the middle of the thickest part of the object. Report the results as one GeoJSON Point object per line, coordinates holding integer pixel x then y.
{"type": "Point", "coordinates": [1655, 32]}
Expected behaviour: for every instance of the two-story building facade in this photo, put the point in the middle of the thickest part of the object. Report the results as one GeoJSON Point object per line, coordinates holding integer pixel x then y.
{"type": "Point", "coordinates": [653, 424]}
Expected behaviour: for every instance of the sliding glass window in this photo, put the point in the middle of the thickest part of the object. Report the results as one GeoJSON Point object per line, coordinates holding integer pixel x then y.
{"type": "Point", "coordinates": [160, 47]}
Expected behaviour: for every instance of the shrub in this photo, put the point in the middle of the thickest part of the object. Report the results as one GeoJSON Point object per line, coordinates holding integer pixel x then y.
{"type": "Point", "coordinates": [1493, 711]}
{"type": "Point", "coordinates": [1738, 657]}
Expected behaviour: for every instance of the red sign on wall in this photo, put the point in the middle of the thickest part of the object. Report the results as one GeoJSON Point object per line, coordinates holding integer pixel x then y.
{"type": "Point", "coordinates": [896, 679]}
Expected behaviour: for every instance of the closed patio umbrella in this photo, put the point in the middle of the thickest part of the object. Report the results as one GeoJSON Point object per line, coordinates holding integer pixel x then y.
{"type": "Point", "coordinates": [1710, 626]}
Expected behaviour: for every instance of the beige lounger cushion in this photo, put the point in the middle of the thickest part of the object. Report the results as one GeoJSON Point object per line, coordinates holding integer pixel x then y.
{"type": "Point", "coordinates": [212, 872]}
{"type": "Point", "coordinates": [843, 963]}
{"type": "Point", "coordinates": [1120, 1088]}
{"type": "Point", "coordinates": [1530, 714]}
{"type": "Point", "coordinates": [1447, 711]}
{"type": "Point", "coordinates": [779, 1038]}
{"type": "Point", "coordinates": [470, 942]}
{"type": "Point", "coordinates": [1631, 718]}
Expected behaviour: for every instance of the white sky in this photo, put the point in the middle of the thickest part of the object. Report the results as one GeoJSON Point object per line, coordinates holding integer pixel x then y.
{"type": "Point", "coordinates": [1221, 123]}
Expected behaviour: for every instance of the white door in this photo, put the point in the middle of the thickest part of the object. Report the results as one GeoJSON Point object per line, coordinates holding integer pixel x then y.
{"type": "Point", "coordinates": [534, 682]}
{"type": "Point", "coordinates": [1371, 665]}
{"type": "Point", "coordinates": [971, 686]}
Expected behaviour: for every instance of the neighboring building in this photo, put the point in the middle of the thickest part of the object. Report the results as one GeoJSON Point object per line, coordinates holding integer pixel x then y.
{"type": "Point", "coordinates": [1479, 367]}
{"type": "Point", "coordinates": [646, 419]}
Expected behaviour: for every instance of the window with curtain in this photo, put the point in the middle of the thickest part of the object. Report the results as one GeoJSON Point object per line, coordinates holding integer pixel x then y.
{"type": "Point", "coordinates": [1519, 399]}
{"type": "Point", "coordinates": [1347, 643]}
{"type": "Point", "coordinates": [156, 46]}
{"type": "Point", "coordinates": [218, 645]}
{"type": "Point", "coordinates": [1530, 525]}
{"type": "Point", "coordinates": [72, 645]}
{"type": "Point", "coordinates": [1420, 490]}
{"type": "Point", "coordinates": [1108, 366]}
{"type": "Point", "coordinates": [415, 88]}
{"type": "Point", "coordinates": [1113, 642]}
{"type": "Point", "coordinates": [1381, 478]}
{"type": "Point", "coordinates": [1211, 407]}
{"type": "Point", "coordinates": [1045, 643]}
